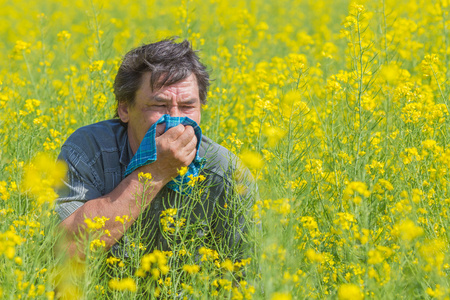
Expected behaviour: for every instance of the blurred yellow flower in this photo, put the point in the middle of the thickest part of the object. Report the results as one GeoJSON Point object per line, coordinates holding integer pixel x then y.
{"type": "Point", "coordinates": [314, 256]}
{"type": "Point", "coordinates": [42, 175]}
{"type": "Point", "coordinates": [227, 265]}
{"type": "Point", "coordinates": [273, 135]}
{"type": "Point", "coordinates": [183, 171]}
{"type": "Point", "coordinates": [191, 269]}
{"type": "Point", "coordinates": [281, 296]}
{"type": "Point", "coordinates": [350, 292]}
{"type": "Point", "coordinates": [126, 284]}
{"type": "Point", "coordinates": [252, 159]}
{"type": "Point", "coordinates": [63, 36]}
{"type": "Point", "coordinates": [406, 230]}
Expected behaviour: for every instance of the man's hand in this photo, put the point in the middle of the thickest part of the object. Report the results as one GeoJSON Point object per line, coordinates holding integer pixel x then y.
{"type": "Point", "coordinates": [176, 148]}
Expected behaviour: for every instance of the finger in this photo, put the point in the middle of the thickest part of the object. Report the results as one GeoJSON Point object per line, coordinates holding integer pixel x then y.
{"type": "Point", "coordinates": [160, 128]}
{"type": "Point", "coordinates": [190, 157]}
{"type": "Point", "coordinates": [172, 134]}
{"type": "Point", "coordinates": [189, 130]}
{"type": "Point", "coordinates": [192, 144]}
{"type": "Point", "coordinates": [188, 137]}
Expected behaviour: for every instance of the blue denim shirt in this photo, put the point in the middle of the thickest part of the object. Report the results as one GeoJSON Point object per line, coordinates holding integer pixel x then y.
{"type": "Point", "coordinates": [97, 156]}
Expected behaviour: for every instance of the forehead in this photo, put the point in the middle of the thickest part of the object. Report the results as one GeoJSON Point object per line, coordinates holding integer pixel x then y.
{"type": "Point", "coordinates": [185, 87]}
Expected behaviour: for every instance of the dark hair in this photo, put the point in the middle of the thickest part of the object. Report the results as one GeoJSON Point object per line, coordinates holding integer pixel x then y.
{"type": "Point", "coordinates": [167, 61]}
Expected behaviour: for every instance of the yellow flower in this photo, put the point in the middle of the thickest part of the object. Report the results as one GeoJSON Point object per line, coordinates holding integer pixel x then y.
{"type": "Point", "coordinates": [355, 190]}
{"type": "Point", "coordinates": [208, 254]}
{"type": "Point", "coordinates": [112, 260]}
{"type": "Point", "coordinates": [183, 171]}
{"type": "Point", "coordinates": [274, 135]}
{"type": "Point", "coordinates": [126, 284]}
{"type": "Point", "coordinates": [42, 175]}
{"type": "Point", "coordinates": [314, 256]}
{"type": "Point", "coordinates": [63, 36]}
{"type": "Point", "coordinates": [96, 244]}
{"type": "Point", "coordinates": [187, 288]}
{"type": "Point", "coordinates": [281, 296]}
{"type": "Point", "coordinates": [438, 293]}
{"type": "Point", "coordinates": [407, 230]}
{"type": "Point", "coordinates": [18, 260]}
{"type": "Point", "coordinates": [227, 265]}
{"type": "Point", "coordinates": [124, 219]}
{"type": "Point", "coordinates": [226, 284]}
{"type": "Point", "coordinates": [155, 263]}
{"type": "Point", "coordinates": [350, 292]}
{"type": "Point", "coordinates": [96, 65]}
{"type": "Point", "coordinates": [96, 222]}
{"type": "Point", "coordinates": [191, 269]}
{"type": "Point", "coordinates": [144, 177]}
{"type": "Point", "coordinates": [193, 180]}
{"type": "Point", "coordinates": [22, 46]}
{"type": "Point", "coordinates": [251, 159]}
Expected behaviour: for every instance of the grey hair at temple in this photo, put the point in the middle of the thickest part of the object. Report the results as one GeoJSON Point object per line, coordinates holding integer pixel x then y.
{"type": "Point", "coordinates": [167, 61]}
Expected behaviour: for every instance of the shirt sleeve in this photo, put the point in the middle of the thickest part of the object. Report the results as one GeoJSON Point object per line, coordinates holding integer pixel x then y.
{"type": "Point", "coordinates": [82, 182]}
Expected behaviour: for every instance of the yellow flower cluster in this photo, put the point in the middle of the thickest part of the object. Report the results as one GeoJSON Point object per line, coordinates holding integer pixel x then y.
{"type": "Point", "coordinates": [125, 284]}
{"type": "Point", "coordinates": [282, 207]}
{"type": "Point", "coordinates": [314, 256]}
{"type": "Point", "coordinates": [208, 254]}
{"type": "Point", "coordinates": [350, 292]}
{"type": "Point", "coordinates": [406, 230]}
{"type": "Point", "coordinates": [123, 219]}
{"type": "Point", "coordinates": [355, 190]}
{"type": "Point", "coordinates": [154, 263]}
{"type": "Point", "coordinates": [97, 244]}
{"type": "Point", "coordinates": [96, 223]}
{"type": "Point", "coordinates": [170, 223]}
{"type": "Point", "coordinates": [8, 242]}
{"type": "Point", "coordinates": [144, 177]}
{"type": "Point", "coordinates": [41, 176]}
{"type": "Point", "coordinates": [191, 269]}
{"type": "Point", "coordinates": [195, 179]}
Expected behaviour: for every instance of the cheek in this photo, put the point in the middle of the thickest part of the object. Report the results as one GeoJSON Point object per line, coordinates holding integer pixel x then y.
{"type": "Point", "coordinates": [145, 123]}
{"type": "Point", "coordinates": [195, 116]}
{"type": "Point", "coordinates": [153, 118]}
{"type": "Point", "coordinates": [150, 117]}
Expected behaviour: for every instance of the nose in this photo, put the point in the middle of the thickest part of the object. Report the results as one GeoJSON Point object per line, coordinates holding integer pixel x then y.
{"type": "Point", "coordinates": [174, 111]}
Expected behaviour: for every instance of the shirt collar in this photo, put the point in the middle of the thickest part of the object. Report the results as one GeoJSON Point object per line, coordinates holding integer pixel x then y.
{"type": "Point", "coordinates": [125, 152]}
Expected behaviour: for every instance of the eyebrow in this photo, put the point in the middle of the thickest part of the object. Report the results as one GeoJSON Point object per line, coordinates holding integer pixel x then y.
{"type": "Point", "coordinates": [161, 99]}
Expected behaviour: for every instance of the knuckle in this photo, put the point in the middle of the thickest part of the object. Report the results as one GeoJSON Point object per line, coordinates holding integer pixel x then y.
{"type": "Point", "coordinates": [174, 132]}
{"type": "Point", "coordinates": [162, 145]}
{"type": "Point", "coordinates": [190, 130]}
{"type": "Point", "coordinates": [193, 144]}
{"type": "Point", "coordinates": [179, 128]}
{"type": "Point", "coordinates": [172, 150]}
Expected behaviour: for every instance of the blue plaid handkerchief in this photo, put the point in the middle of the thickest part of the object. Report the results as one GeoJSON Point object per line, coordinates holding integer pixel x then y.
{"type": "Point", "coordinates": [146, 153]}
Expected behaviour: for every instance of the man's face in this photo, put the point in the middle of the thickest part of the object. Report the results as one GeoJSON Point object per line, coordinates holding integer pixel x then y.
{"type": "Point", "coordinates": [178, 100]}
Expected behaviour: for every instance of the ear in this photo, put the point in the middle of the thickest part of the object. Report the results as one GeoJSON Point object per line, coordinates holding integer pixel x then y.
{"type": "Point", "coordinates": [122, 110]}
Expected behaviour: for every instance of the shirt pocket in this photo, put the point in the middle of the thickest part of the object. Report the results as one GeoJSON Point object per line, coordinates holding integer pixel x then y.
{"type": "Point", "coordinates": [113, 176]}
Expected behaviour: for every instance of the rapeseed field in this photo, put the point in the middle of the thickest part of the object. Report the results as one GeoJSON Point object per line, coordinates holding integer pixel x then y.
{"type": "Point", "coordinates": [338, 108]}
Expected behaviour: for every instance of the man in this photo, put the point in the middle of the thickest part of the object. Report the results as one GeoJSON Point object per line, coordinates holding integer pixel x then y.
{"type": "Point", "coordinates": [164, 78]}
